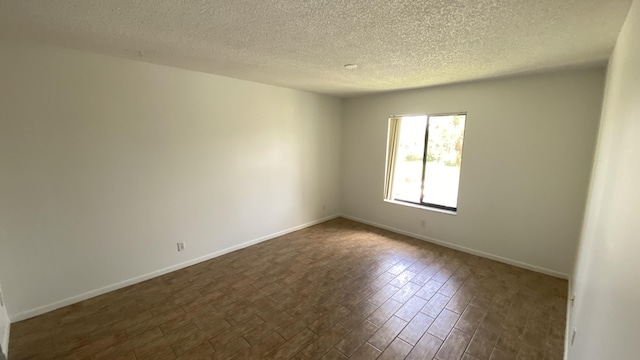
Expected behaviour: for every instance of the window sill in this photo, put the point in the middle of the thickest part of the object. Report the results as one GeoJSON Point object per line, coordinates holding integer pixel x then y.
{"type": "Point", "coordinates": [422, 207]}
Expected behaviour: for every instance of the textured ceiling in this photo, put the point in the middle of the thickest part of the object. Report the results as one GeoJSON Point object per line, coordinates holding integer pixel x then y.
{"type": "Point", "coordinates": [304, 44]}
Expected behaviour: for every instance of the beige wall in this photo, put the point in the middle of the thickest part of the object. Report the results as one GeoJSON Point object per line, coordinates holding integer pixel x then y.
{"type": "Point", "coordinates": [606, 314]}
{"type": "Point", "coordinates": [107, 163]}
{"type": "Point", "coordinates": [528, 150]}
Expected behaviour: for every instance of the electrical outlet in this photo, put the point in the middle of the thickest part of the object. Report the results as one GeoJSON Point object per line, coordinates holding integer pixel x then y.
{"type": "Point", "coordinates": [324, 208]}
{"type": "Point", "coordinates": [180, 246]}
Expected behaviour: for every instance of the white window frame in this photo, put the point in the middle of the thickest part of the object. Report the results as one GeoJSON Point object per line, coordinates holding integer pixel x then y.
{"type": "Point", "coordinates": [390, 168]}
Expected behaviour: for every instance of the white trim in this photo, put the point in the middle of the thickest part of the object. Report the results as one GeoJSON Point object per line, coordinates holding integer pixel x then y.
{"type": "Point", "coordinates": [103, 290]}
{"type": "Point", "coordinates": [421, 207]}
{"type": "Point", "coordinates": [569, 319]}
{"type": "Point", "coordinates": [5, 341]}
{"type": "Point", "coordinates": [463, 248]}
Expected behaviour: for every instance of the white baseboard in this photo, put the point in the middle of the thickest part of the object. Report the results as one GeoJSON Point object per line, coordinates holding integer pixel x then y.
{"type": "Point", "coordinates": [103, 290]}
{"type": "Point", "coordinates": [463, 248]}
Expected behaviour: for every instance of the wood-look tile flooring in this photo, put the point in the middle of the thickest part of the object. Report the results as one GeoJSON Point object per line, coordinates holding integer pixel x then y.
{"type": "Point", "coordinates": [336, 290]}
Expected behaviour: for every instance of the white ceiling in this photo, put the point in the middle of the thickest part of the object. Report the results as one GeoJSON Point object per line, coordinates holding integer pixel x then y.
{"type": "Point", "coordinates": [303, 44]}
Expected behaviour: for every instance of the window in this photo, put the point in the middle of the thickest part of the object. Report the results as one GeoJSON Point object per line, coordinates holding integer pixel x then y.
{"type": "Point", "coordinates": [424, 155]}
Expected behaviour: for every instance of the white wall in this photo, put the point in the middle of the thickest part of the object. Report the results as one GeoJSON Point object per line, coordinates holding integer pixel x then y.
{"type": "Point", "coordinates": [106, 163]}
{"type": "Point", "coordinates": [606, 313]}
{"type": "Point", "coordinates": [528, 150]}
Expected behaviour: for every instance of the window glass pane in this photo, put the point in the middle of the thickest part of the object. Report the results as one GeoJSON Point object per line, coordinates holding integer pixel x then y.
{"type": "Point", "coordinates": [444, 156]}
{"type": "Point", "coordinates": [408, 173]}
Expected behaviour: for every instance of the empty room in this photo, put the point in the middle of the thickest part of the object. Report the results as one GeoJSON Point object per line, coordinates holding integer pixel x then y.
{"type": "Point", "coordinates": [297, 179]}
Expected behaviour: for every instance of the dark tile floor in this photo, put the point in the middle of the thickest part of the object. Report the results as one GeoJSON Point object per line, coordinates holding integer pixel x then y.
{"type": "Point", "coordinates": [336, 290]}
